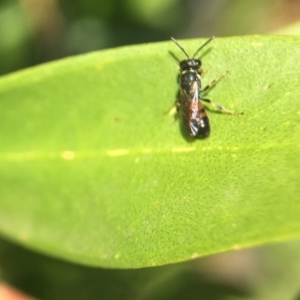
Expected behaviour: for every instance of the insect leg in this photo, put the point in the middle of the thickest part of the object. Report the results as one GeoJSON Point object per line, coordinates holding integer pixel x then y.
{"type": "Point", "coordinates": [220, 107]}
{"type": "Point", "coordinates": [174, 110]}
{"type": "Point", "coordinates": [213, 82]}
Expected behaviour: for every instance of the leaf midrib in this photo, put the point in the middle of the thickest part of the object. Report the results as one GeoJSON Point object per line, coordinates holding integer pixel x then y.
{"type": "Point", "coordinates": [70, 155]}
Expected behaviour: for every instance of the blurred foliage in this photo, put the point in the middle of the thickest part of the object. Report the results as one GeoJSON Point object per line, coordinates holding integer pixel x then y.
{"type": "Point", "coordinates": [265, 273]}
{"type": "Point", "coordinates": [15, 49]}
{"type": "Point", "coordinates": [34, 31]}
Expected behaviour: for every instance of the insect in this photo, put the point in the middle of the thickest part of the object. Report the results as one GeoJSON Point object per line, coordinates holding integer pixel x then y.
{"type": "Point", "coordinates": [193, 115]}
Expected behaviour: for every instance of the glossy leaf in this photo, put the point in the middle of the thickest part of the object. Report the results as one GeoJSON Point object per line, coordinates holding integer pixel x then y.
{"type": "Point", "coordinates": [93, 170]}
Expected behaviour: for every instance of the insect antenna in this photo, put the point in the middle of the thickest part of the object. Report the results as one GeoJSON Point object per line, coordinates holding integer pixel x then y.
{"type": "Point", "coordinates": [209, 40]}
{"type": "Point", "coordinates": [177, 43]}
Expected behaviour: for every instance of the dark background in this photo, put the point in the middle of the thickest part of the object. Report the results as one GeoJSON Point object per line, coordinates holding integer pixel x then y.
{"type": "Point", "coordinates": [36, 31]}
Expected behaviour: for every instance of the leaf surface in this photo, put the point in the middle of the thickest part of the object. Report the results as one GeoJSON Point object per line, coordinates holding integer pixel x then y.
{"type": "Point", "coordinates": [93, 170]}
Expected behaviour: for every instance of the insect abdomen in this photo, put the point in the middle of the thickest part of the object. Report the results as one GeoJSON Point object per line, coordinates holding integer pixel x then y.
{"type": "Point", "coordinates": [200, 128]}
{"type": "Point", "coordinates": [195, 123]}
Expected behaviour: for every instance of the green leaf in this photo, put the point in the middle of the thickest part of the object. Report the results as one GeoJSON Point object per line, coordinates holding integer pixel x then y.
{"type": "Point", "coordinates": [93, 170]}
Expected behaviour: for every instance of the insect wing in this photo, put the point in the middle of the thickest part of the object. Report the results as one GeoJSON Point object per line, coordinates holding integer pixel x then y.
{"type": "Point", "coordinates": [189, 104]}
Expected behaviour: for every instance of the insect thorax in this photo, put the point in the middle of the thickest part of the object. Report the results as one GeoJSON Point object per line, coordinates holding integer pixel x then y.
{"type": "Point", "coordinates": [188, 78]}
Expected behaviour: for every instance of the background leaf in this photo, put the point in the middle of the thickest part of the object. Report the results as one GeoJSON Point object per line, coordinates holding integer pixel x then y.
{"type": "Point", "coordinates": [93, 171]}
{"type": "Point", "coordinates": [263, 273]}
{"type": "Point", "coordinates": [292, 29]}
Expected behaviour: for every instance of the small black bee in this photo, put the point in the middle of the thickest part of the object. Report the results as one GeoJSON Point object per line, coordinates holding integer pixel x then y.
{"type": "Point", "coordinates": [193, 114]}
